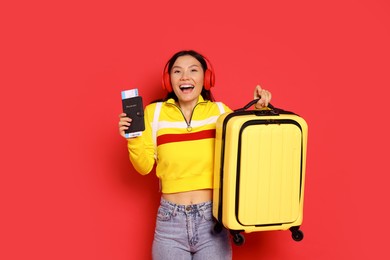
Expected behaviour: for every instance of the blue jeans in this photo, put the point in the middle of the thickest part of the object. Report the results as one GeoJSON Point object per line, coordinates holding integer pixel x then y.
{"type": "Point", "coordinates": [187, 232]}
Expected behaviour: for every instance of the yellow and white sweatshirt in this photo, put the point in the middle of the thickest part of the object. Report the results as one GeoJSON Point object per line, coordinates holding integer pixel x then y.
{"type": "Point", "coordinates": [184, 150]}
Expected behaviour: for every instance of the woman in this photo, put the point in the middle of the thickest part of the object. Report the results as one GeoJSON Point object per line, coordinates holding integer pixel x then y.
{"type": "Point", "coordinates": [179, 136]}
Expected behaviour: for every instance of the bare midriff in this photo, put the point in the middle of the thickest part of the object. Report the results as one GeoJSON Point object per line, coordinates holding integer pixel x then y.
{"type": "Point", "coordinates": [189, 197]}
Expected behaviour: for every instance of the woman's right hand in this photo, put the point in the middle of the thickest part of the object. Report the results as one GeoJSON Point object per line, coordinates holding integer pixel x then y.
{"type": "Point", "coordinates": [124, 123]}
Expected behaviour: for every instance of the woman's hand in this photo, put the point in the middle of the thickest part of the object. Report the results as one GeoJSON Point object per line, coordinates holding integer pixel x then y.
{"type": "Point", "coordinates": [124, 123]}
{"type": "Point", "coordinates": [264, 95]}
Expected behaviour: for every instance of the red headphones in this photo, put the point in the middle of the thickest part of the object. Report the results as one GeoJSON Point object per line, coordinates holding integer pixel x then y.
{"type": "Point", "coordinates": [209, 78]}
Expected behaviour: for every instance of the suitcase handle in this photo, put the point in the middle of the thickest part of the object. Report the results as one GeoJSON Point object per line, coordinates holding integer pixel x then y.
{"type": "Point", "coordinates": [252, 103]}
{"type": "Point", "coordinates": [271, 111]}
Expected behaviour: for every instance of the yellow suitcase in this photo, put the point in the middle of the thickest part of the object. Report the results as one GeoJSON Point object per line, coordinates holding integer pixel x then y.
{"type": "Point", "coordinates": [259, 171]}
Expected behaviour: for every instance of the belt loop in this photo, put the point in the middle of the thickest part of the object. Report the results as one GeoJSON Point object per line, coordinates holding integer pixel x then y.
{"type": "Point", "coordinates": [200, 210]}
{"type": "Point", "coordinates": [174, 210]}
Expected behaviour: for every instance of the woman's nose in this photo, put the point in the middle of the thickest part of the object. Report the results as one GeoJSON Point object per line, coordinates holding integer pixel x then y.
{"type": "Point", "coordinates": [184, 75]}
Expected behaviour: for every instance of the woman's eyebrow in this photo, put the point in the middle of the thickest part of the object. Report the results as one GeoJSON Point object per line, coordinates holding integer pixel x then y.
{"type": "Point", "coordinates": [179, 67]}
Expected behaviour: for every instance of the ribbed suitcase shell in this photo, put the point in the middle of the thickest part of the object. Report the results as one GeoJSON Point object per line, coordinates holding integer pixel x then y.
{"type": "Point", "coordinates": [259, 171]}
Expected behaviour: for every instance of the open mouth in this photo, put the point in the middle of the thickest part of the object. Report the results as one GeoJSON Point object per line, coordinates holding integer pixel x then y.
{"type": "Point", "coordinates": [186, 88]}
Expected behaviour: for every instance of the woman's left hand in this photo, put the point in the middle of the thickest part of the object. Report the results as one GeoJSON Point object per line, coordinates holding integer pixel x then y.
{"type": "Point", "coordinates": [264, 95]}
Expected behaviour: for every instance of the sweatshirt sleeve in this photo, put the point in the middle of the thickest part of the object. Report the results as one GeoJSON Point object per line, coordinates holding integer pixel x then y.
{"type": "Point", "coordinates": [141, 148]}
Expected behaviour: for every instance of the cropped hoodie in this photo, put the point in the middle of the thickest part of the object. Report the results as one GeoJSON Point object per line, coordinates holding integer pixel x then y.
{"type": "Point", "coordinates": [184, 151]}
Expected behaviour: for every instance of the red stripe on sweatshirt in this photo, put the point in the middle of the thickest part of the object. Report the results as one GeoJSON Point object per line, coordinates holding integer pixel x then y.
{"type": "Point", "coordinates": [172, 138]}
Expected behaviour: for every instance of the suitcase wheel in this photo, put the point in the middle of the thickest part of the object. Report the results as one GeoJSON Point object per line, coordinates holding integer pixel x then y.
{"type": "Point", "coordinates": [217, 228]}
{"type": "Point", "coordinates": [296, 234]}
{"type": "Point", "coordinates": [238, 238]}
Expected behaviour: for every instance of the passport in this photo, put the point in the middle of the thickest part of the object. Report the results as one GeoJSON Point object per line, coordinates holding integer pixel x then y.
{"type": "Point", "coordinates": [132, 105]}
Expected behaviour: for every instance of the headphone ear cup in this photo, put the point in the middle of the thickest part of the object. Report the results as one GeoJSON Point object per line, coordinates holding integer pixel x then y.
{"type": "Point", "coordinates": [166, 82]}
{"type": "Point", "coordinates": [209, 79]}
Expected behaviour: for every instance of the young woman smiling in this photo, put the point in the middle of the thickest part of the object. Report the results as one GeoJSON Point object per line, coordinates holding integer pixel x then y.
{"type": "Point", "coordinates": [179, 137]}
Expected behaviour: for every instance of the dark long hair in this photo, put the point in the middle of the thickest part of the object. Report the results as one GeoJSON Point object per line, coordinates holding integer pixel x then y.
{"type": "Point", "coordinates": [206, 94]}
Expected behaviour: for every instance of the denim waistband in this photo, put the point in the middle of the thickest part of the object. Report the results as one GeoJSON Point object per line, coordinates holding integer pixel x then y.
{"type": "Point", "coordinates": [186, 208]}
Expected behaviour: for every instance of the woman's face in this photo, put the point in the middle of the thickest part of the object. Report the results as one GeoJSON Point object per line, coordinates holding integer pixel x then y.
{"type": "Point", "coordinates": [187, 78]}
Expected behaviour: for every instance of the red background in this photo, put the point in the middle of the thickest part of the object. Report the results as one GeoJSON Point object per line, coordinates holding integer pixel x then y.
{"type": "Point", "coordinates": [67, 189]}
